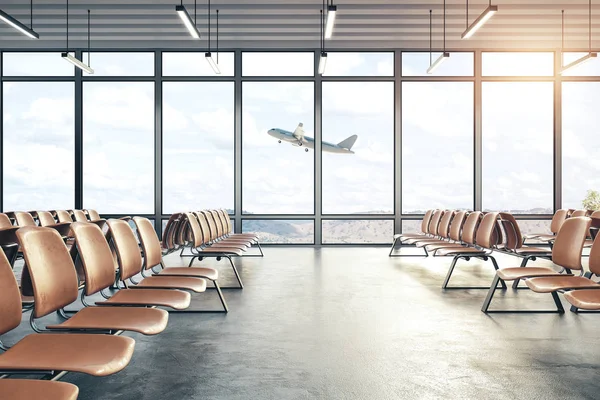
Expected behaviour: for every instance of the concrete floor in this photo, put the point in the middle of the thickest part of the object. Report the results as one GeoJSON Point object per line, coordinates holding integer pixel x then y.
{"type": "Point", "coordinates": [351, 323]}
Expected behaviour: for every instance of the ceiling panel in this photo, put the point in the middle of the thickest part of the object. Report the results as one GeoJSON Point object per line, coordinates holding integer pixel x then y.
{"type": "Point", "coordinates": [269, 24]}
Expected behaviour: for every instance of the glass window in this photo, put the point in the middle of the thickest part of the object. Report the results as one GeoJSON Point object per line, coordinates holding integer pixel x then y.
{"type": "Point", "coordinates": [118, 147]}
{"type": "Point", "coordinates": [278, 178]}
{"type": "Point", "coordinates": [360, 64]}
{"type": "Point", "coordinates": [38, 146]}
{"type": "Point", "coordinates": [580, 138]}
{"type": "Point", "coordinates": [437, 146]}
{"type": "Point", "coordinates": [35, 64]}
{"type": "Point", "coordinates": [282, 231]}
{"type": "Point", "coordinates": [416, 64]}
{"type": "Point", "coordinates": [358, 147]}
{"type": "Point", "coordinates": [195, 64]}
{"type": "Point", "coordinates": [278, 64]}
{"type": "Point", "coordinates": [411, 226]}
{"type": "Point", "coordinates": [121, 64]}
{"type": "Point", "coordinates": [517, 64]}
{"type": "Point", "coordinates": [518, 130]}
{"type": "Point", "coordinates": [198, 132]}
{"type": "Point", "coordinates": [529, 227]}
{"type": "Point", "coordinates": [358, 231]}
{"type": "Point", "coordinates": [588, 68]}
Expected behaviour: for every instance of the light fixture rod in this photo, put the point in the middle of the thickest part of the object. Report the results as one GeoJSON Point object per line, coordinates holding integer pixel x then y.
{"type": "Point", "coordinates": [589, 56]}
{"type": "Point", "coordinates": [444, 26]}
{"type": "Point", "coordinates": [217, 36]}
{"type": "Point", "coordinates": [208, 18]}
{"type": "Point", "coordinates": [430, 40]}
{"type": "Point", "coordinates": [89, 40]}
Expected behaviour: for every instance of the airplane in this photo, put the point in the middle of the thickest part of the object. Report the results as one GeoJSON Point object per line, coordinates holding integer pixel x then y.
{"type": "Point", "coordinates": [298, 139]}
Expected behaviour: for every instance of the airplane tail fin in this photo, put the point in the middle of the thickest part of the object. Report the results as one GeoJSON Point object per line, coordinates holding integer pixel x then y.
{"type": "Point", "coordinates": [348, 143]}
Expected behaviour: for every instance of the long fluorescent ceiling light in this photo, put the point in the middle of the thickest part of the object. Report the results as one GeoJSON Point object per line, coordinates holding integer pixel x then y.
{"type": "Point", "coordinates": [438, 62]}
{"type": "Point", "coordinates": [579, 62]}
{"type": "Point", "coordinates": [187, 21]}
{"type": "Point", "coordinates": [331, 12]}
{"type": "Point", "coordinates": [322, 63]}
{"type": "Point", "coordinates": [480, 21]}
{"type": "Point", "coordinates": [212, 63]}
{"type": "Point", "coordinates": [77, 63]}
{"type": "Point", "coordinates": [18, 25]}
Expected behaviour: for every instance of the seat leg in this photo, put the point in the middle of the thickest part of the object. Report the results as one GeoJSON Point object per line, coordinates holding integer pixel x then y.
{"type": "Point", "coordinates": [559, 306]}
{"type": "Point", "coordinates": [192, 261]}
{"type": "Point", "coordinates": [393, 246]}
{"type": "Point", "coordinates": [450, 271]}
{"type": "Point", "coordinates": [495, 263]}
{"type": "Point", "coordinates": [235, 271]}
{"type": "Point", "coordinates": [490, 295]}
{"type": "Point", "coordinates": [515, 284]}
{"type": "Point", "coordinates": [223, 302]}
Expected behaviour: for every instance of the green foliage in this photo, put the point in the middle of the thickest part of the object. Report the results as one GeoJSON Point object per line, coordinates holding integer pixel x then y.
{"type": "Point", "coordinates": [592, 200]}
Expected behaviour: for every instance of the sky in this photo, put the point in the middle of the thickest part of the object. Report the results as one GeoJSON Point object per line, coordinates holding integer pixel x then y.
{"type": "Point", "coordinates": [198, 135]}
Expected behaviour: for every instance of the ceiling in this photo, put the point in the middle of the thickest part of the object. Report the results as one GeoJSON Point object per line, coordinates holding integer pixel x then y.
{"type": "Point", "coordinates": [282, 24]}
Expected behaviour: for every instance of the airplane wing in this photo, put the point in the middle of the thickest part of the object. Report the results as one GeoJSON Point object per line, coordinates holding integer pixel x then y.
{"type": "Point", "coordinates": [299, 132]}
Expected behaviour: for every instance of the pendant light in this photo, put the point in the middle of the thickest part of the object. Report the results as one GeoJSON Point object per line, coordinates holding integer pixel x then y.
{"type": "Point", "coordinates": [323, 56]}
{"type": "Point", "coordinates": [590, 55]}
{"type": "Point", "coordinates": [187, 20]}
{"type": "Point", "coordinates": [70, 58]}
{"type": "Point", "coordinates": [208, 55]}
{"type": "Point", "coordinates": [480, 21]}
{"type": "Point", "coordinates": [331, 14]}
{"type": "Point", "coordinates": [29, 32]}
{"type": "Point", "coordinates": [445, 54]}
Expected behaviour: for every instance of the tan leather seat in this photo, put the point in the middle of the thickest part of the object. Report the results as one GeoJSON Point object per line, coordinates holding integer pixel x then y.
{"type": "Point", "coordinates": [201, 238]}
{"type": "Point", "coordinates": [559, 217]}
{"type": "Point", "coordinates": [63, 216]}
{"type": "Point", "coordinates": [99, 269]}
{"type": "Point", "coordinates": [566, 253]}
{"type": "Point", "coordinates": [148, 321]}
{"type": "Point", "coordinates": [510, 274]}
{"type": "Point", "coordinates": [153, 256]}
{"type": "Point", "coordinates": [172, 282]}
{"type": "Point", "coordinates": [586, 299]}
{"type": "Point", "coordinates": [449, 251]}
{"type": "Point", "coordinates": [46, 218]}
{"type": "Point", "coordinates": [55, 285]}
{"type": "Point", "coordinates": [93, 214]}
{"type": "Point", "coordinates": [533, 250]}
{"type": "Point", "coordinates": [28, 389]}
{"type": "Point", "coordinates": [24, 219]}
{"type": "Point", "coordinates": [5, 221]}
{"type": "Point", "coordinates": [98, 355]}
{"type": "Point", "coordinates": [226, 221]}
{"type": "Point", "coordinates": [432, 228]}
{"type": "Point", "coordinates": [208, 273]}
{"type": "Point", "coordinates": [216, 233]}
{"type": "Point", "coordinates": [80, 216]}
{"type": "Point", "coordinates": [552, 284]}
{"type": "Point", "coordinates": [175, 299]}
{"type": "Point", "coordinates": [131, 263]}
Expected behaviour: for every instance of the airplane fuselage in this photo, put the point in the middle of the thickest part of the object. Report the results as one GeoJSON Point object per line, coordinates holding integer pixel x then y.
{"type": "Point", "coordinates": [306, 141]}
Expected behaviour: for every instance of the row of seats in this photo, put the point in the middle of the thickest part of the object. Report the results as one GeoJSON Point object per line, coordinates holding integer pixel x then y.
{"type": "Point", "coordinates": [464, 235]}
{"type": "Point", "coordinates": [86, 258]}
